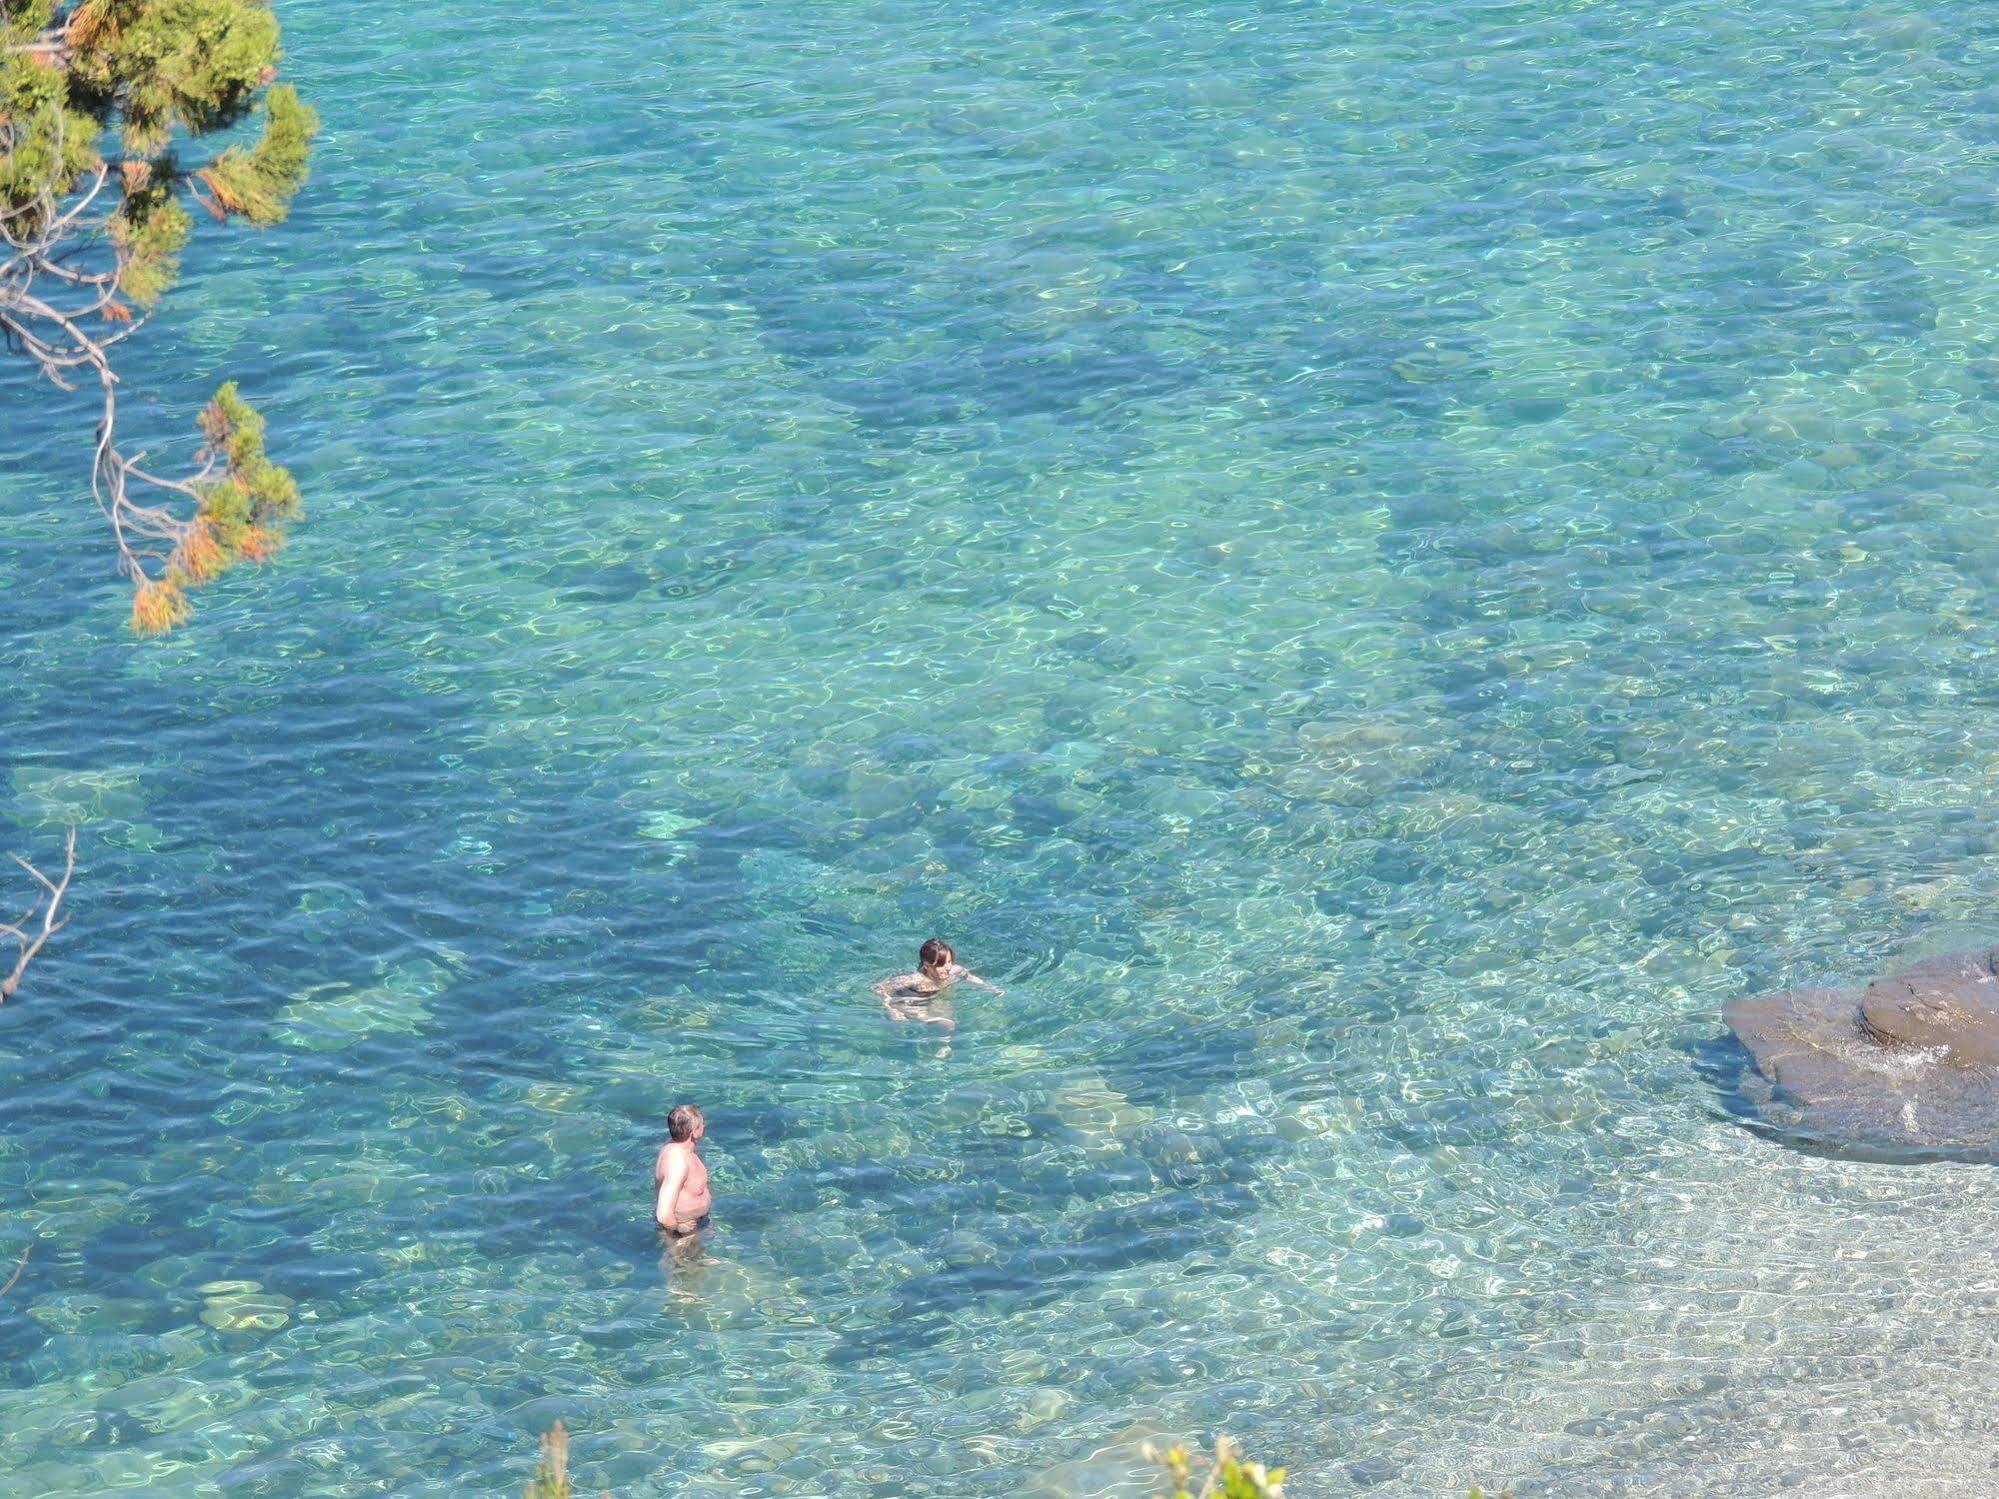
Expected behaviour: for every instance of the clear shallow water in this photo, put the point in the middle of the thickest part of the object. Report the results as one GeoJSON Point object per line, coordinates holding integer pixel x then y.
{"type": "Point", "coordinates": [1374, 565]}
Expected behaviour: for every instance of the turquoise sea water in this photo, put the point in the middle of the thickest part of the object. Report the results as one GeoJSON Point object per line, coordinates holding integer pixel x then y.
{"type": "Point", "coordinates": [1373, 564]}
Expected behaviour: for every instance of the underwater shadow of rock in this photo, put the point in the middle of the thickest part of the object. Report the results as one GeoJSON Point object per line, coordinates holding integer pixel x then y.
{"type": "Point", "coordinates": [1905, 1070]}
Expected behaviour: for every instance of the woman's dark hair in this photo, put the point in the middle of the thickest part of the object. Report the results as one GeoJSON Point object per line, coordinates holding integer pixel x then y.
{"type": "Point", "coordinates": [935, 953]}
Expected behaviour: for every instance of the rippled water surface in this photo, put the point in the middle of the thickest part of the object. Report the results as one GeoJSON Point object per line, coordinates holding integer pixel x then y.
{"type": "Point", "coordinates": [1372, 564]}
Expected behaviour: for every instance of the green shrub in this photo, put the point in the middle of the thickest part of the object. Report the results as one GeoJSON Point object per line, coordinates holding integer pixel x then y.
{"type": "Point", "coordinates": [551, 1474]}
{"type": "Point", "coordinates": [1228, 1476]}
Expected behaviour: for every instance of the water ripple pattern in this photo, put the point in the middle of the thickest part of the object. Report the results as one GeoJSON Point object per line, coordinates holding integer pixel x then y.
{"type": "Point", "coordinates": [1374, 564]}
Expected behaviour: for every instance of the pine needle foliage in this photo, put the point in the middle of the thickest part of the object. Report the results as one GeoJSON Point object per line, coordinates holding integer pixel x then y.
{"type": "Point", "coordinates": [551, 1474]}
{"type": "Point", "coordinates": [258, 184]}
{"type": "Point", "coordinates": [149, 231]}
{"type": "Point", "coordinates": [100, 102]}
{"type": "Point", "coordinates": [1227, 1475]}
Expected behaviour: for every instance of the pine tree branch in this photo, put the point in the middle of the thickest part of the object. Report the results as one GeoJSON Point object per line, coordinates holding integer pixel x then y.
{"type": "Point", "coordinates": [57, 339]}
{"type": "Point", "coordinates": [50, 44]}
{"type": "Point", "coordinates": [31, 940]}
{"type": "Point", "coordinates": [89, 243]}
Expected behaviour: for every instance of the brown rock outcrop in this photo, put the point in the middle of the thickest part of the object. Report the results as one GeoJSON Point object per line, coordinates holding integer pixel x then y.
{"type": "Point", "coordinates": [1907, 1067]}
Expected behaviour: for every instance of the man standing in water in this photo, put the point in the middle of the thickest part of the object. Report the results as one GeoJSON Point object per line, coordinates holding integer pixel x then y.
{"type": "Point", "coordinates": [680, 1174]}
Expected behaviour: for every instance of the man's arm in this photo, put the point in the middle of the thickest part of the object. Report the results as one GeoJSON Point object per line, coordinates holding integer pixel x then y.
{"type": "Point", "coordinates": [669, 1190]}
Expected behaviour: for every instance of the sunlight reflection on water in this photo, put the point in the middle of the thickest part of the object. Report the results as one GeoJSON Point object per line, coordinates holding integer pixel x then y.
{"type": "Point", "coordinates": [1374, 568]}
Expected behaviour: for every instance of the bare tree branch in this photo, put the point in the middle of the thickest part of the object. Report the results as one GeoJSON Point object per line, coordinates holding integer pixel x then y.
{"type": "Point", "coordinates": [31, 939]}
{"type": "Point", "coordinates": [39, 237]}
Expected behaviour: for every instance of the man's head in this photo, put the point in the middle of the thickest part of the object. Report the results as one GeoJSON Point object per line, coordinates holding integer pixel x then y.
{"type": "Point", "coordinates": [685, 1123]}
{"type": "Point", "coordinates": [936, 956]}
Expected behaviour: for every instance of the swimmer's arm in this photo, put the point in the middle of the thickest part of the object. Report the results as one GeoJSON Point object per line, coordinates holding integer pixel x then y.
{"type": "Point", "coordinates": [670, 1183]}
{"type": "Point", "coordinates": [970, 977]}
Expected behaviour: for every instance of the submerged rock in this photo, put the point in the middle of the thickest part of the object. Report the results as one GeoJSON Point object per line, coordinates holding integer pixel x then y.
{"type": "Point", "coordinates": [329, 1017]}
{"type": "Point", "coordinates": [243, 1306]}
{"type": "Point", "coordinates": [1907, 1067]}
